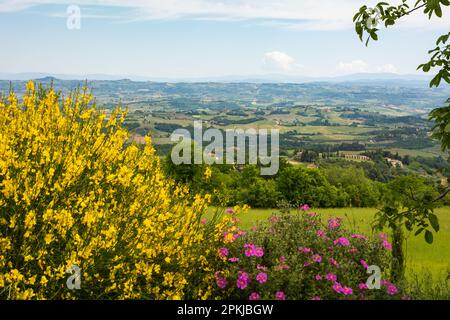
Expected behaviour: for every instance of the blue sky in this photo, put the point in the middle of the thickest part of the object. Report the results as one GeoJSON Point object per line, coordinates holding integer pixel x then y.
{"type": "Point", "coordinates": [206, 38]}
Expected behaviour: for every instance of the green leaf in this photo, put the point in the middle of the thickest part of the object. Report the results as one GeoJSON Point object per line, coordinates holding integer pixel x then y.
{"type": "Point", "coordinates": [436, 81]}
{"type": "Point", "coordinates": [419, 231]}
{"type": "Point", "coordinates": [408, 225]}
{"type": "Point", "coordinates": [429, 237]}
{"type": "Point", "coordinates": [434, 221]}
{"type": "Point", "coordinates": [442, 39]}
{"type": "Point", "coordinates": [389, 22]}
{"type": "Point", "coordinates": [447, 128]}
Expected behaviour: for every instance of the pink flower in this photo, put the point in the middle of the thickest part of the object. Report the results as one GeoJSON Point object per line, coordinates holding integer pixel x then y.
{"type": "Point", "coordinates": [387, 245]}
{"type": "Point", "coordinates": [260, 267]}
{"type": "Point", "coordinates": [352, 250]}
{"type": "Point", "coordinates": [252, 251]}
{"type": "Point", "coordinates": [281, 264]}
{"type": "Point", "coordinates": [316, 298]}
{"type": "Point", "coordinates": [391, 289]}
{"type": "Point", "coordinates": [203, 221]}
{"type": "Point", "coordinates": [359, 236]}
{"type": "Point", "coordinates": [282, 267]}
{"type": "Point", "coordinates": [363, 286]}
{"type": "Point", "coordinates": [279, 295]}
{"type": "Point", "coordinates": [223, 252]}
{"type": "Point", "coordinates": [331, 277]}
{"type": "Point", "coordinates": [383, 236]}
{"type": "Point", "coordinates": [304, 207]}
{"type": "Point", "coordinates": [304, 250]}
{"type": "Point", "coordinates": [259, 252]}
{"type": "Point", "coordinates": [239, 234]}
{"type": "Point", "coordinates": [254, 296]}
{"type": "Point", "coordinates": [306, 264]}
{"type": "Point", "coordinates": [342, 241]}
{"type": "Point", "coordinates": [254, 228]}
{"type": "Point", "coordinates": [274, 219]}
{"type": "Point", "coordinates": [261, 277]}
{"type": "Point", "coordinates": [249, 249]}
{"type": "Point", "coordinates": [364, 264]}
{"type": "Point", "coordinates": [318, 277]}
{"type": "Point", "coordinates": [334, 262]}
{"type": "Point", "coordinates": [221, 283]}
{"type": "Point", "coordinates": [317, 258]}
{"type": "Point", "coordinates": [234, 259]}
{"type": "Point", "coordinates": [347, 291]}
{"type": "Point", "coordinates": [242, 280]}
{"type": "Point", "coordinates": [321, 233]}
{"type": "Point", "coordinates": [242, 283]}
{"type": "Point", "coordinates": [337, 287]}
{"type": "Point", "coordinates": [334, 223]}
{"type": "Point", "coordinates": [229, 210]}
{"type": "Point", "coordinates": [243, 275]}
{"type": "Point", "coordinates": [312, 214]}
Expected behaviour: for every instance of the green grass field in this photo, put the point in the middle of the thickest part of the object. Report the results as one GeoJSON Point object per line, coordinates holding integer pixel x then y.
{"type": "Point", "coordinates": [420, 255]}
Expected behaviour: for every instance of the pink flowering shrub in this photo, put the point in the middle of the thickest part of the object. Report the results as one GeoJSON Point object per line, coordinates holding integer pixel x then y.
{"type": "Point", "coordinates": [302, 256]}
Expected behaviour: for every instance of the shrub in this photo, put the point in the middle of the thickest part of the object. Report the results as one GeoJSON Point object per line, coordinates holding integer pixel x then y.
{"type": "Point", "coordinates": [301, 185]}
{"type": "Point", "coordinates": [299, 256]}
{"type": "Point", "coordinates": [72, 193]}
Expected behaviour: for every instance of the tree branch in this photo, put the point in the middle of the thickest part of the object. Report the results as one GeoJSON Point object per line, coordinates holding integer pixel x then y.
{"type": "Point", "coordinates": [412, 10]}
{"type": "Point", "coordinates": [442, 195]}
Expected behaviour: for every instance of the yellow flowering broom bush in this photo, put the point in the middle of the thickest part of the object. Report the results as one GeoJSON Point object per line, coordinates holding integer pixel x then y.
{"type": "Point", "coordinates": [74, 193]}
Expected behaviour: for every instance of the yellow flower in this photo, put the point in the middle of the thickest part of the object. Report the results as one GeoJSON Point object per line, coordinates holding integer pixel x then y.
{"type": "Point", "coordinates": [208, 173]}
{"type": "Point", "coordinates": [48, 238]}
{"type": "Point", "coordinates": [69, 175]}
{"type": "Point", "coordinates": [44, 281]}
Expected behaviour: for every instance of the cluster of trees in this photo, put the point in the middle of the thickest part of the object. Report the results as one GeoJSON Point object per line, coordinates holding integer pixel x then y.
{"type": "Point", "coordinates": [332, 186]}
{"type": "Point", "coordinates": [335, 183]}
{"type": "Point", "coordinates": [223, 121]}
{"type": "Point", "coordinates": [375, 118]}
{"type": "Point", "coordinates": [380, 155]}
{"type": "Point", "coordinates": [376, 170]}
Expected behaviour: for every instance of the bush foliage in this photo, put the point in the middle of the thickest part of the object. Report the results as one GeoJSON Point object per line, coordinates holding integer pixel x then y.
{"type": "Point", "coordinates": [73, 193]}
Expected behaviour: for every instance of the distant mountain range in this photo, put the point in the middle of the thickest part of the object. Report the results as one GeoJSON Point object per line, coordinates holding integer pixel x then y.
{"type": "Point", "coordinates": [352, 91]}
{"type": "Point", "coordinates": [268, 78]}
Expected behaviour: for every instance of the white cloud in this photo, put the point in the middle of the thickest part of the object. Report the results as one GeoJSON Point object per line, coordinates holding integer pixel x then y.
{"type": "Point", "coordinates": [387, 68]}
{"type": "Point", "coordinates": [360, 66]}
{"type": "Point", "coordinates": [355, 66]}
{"type": "Point", "coordinates": [293, 14]}
{"type": "Point", "coordinates": [280, 61]}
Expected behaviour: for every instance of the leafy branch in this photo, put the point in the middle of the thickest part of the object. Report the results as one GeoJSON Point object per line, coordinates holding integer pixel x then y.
{"type": "Point", "coordinates": [367, 19]}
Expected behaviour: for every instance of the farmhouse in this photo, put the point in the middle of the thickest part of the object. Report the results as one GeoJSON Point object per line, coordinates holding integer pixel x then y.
{"type": "Point", "coordinates": [357, 157]}
{"type": "Point", "coordinates": [394, 162]}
